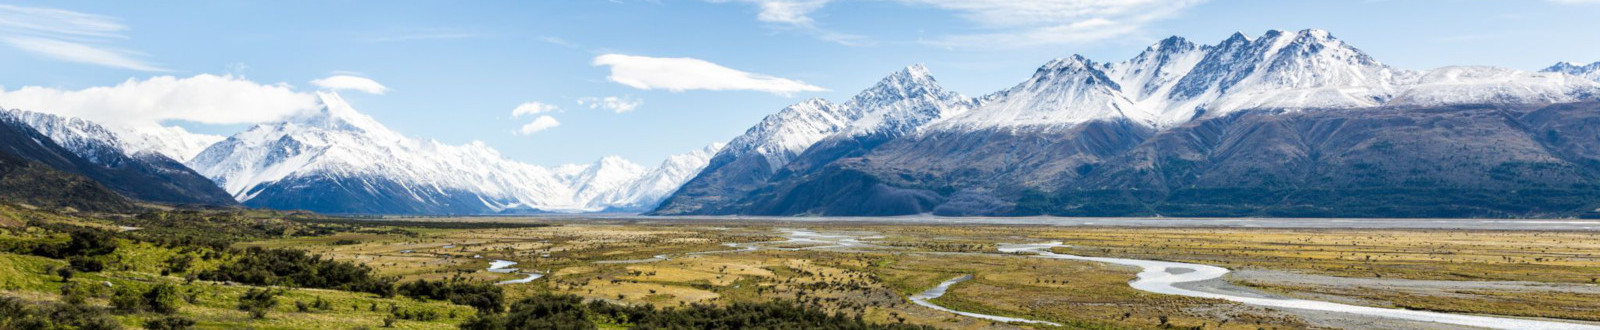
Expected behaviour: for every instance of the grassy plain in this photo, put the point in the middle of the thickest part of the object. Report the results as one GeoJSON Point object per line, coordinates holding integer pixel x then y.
{"type": "Point", "coordinates": [670, 264]}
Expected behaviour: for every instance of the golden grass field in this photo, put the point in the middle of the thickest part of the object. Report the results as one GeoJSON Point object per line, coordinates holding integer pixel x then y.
{"type": "Point", "coordinates": [911, 258]}
{"type": "Point", "coordinates": [706, 263]}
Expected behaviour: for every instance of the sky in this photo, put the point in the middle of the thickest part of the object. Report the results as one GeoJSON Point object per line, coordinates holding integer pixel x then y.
{"type": "Point", "coordinates": [570, 81]}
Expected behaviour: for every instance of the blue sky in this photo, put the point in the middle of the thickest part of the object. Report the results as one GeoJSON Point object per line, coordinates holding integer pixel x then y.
{"type": "Point", "coordinates": [689, 73]}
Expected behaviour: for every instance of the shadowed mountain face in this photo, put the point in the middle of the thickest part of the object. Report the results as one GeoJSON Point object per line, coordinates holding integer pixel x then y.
{"type": "Point", "coordinates": [1285, 124]}
{"type": "Point", "coordinates": [37, 171]}
{"type": "Point", "coordinates": [93, 152]}
{"type": "Point", "coordinates": [1456, 161]}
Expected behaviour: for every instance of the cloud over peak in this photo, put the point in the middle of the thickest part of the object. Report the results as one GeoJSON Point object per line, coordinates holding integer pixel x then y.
{"type": "Point", "coordinates": [680, 74]}
{"type": "Point", "coordinates": [204, 98]}
{"type": "Point", "coordinates": [349, 82]}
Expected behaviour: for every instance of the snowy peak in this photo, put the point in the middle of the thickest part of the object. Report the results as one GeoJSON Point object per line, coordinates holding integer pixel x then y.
{"type": "Point", "coordinates": [781, 136]}
{"type": "Point", "coordinates": [902, 102]}
{"type": "Point", "coordinates": [651, 187]}
{"type": "Point", "coordinates": [88, 140]}
{"type": "Point", "coordinates": [333, 113]}
{"type": "Point", "coordinates": [1064, 91]}
{"type": "Point", "coordinates": [1282, 60]}
{"type": "Point", "coordinates": [336, 159]}
{"type": "Point", "coordinates": [1589, 71]}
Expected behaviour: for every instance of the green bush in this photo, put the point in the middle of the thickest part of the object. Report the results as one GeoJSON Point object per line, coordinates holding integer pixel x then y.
{"type": "Point", "coordinates": [258, 266]}
{"type": "Point", "coordinates": [551, 311]}
{"type": "Point", "coordinates": [258, 302]}
{"type": "Point", "coordinates": [169, 323]}
{"type": "Point", "coordinates": [486, 297]}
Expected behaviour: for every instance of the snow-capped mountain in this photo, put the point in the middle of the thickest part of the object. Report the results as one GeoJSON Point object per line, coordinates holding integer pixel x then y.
{"type": "Point", "coordinates": [1589, 71]}
{"type": "Point", "coordinates": [783, 135]}
{"type": "Point", "coordinates": [1283, 112]}
{"type": "Point", "coordinates": [174, 142]}
{"type": "Point", "coordinates": [900, 103]}
{"type": "Point", "coordinates": [648, 189]}
{"type": "Point", "coordinates": [903, 102]}
{"type": "Point", "coordinates": [129, 168]}
{"type": "Point", "coordinates": [1491, 85]}
{"type": "Point", "coordinates": [1174, 82]}
{"type": "Point", "coordinates": [338, 160]}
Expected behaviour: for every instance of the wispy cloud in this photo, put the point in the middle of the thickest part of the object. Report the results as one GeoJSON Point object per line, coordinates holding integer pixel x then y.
{"type": "Point", "coordinates": [533, 108]}
{"type": "Point", "coordinates": [679, 74]}
{"type": "Point", "coordinates": [1002, 23]}
{"type": "Point", "coordinates": [68, 36]}
{"type": "Point", "coordinates": [558, 42]}
{"type": "Point", "coordinates": [349, 82]}
{"type": "Point", "coordinates": [613, 103]}
{"type": "Point", "coordinates": [426, 34]}
{"type": "Point", "coordinates": [795, 15]}
{"type": "Point", "coordinates": [1051, 22]}
{"type": "Point", "coordinates": [539, 123]}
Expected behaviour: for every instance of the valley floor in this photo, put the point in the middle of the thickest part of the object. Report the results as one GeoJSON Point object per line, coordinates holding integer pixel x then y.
{"type": "Point", "coordinates": [1539, 274]}
{"type": "Point", "coordinates": [871, 269]}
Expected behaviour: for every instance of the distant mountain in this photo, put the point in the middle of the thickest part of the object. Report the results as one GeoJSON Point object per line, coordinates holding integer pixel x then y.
{"type": "Point", "coordinates": [111, 161]}
{"type": "Point", "coordinates": [1288, 123]}
{"type": "Point", "coordinates": [1589, 71]}
{"type": "Point", "coordinates": [647, 189]}
{"type": "Point", "coordinates": [899, 104]}
{"type": "Point", "coordinates": [337, 160]}
{"type": "Point", "coordinates": [171, 141]}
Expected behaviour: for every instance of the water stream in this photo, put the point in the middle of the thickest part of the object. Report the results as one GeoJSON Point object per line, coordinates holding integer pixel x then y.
{"type": "Point", "coordinates": [1164, 277]}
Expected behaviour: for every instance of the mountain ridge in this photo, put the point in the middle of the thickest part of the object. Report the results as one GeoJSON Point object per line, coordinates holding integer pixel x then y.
{"type": "Point", "coordinates": [1079, 128]}
{"type": "Point", "coordinates": [334, 159]}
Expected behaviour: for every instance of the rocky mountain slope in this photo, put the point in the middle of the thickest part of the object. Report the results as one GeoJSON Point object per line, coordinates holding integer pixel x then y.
{"type": "Point", "coordinates": [118, 165]}
{"type": "Point", "coordinates": [1288, 123]}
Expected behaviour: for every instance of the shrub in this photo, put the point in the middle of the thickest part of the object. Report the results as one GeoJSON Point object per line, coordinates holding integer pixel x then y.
{"type": "Point", "coordinates": [163, 298]}
{"type": "Point", "coordinates": [169, 323]}
{"type": "Point", "coordinates": [18, 314]}
{"type": "Point", "coordinates": [258, 302]}
{"type": "Point", "coordinates": [486, 297]}
{"type": "Point", "coordinates": [285, 267]}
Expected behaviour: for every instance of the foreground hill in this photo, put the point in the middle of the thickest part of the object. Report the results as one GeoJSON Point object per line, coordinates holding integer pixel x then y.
{"type": "Point", "coordinates": [1285, 124]}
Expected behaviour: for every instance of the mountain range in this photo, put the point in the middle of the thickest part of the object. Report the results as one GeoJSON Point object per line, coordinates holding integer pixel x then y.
{"type": "Point", "coordinates": [1284, 124]}
{"type": "Point", "coordinates": [337, 160]}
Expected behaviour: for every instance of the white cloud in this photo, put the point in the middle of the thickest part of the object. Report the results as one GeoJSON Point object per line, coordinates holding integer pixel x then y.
{"type": "Point", "coordinates": [683, 73]}
{"type": "Point", "coordinates": [541, 123]}
{"type": "Point", "coordinates": [613, 103]}
{"type": "Point", "coordinates": [1051, 22]}
{"type": "Point", "coordinates": [68, 36]}
{"type": "Point", "coordinates": [204, 98]}
{"type": "Point", "coordinates": [1004, 23]}
{"type": "Point", "coordinates": [348, 82]}
{"type": "Point", "coordinates": [533, 108]}
{"type": "Point", "coordinates": [796, 15]}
